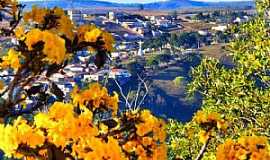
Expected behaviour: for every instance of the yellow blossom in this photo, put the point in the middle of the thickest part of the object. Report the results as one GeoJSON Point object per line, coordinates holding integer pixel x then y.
{"type": "Point", "coordinates": [61, 110]}
{"type": "Point", "coordinates": [82, 30]}
{"type": "Point", "coordinates": [103, 128]}
{"type": "Point", "coordinates": [65, 25]}
{"type": "Point", "coordinates": [130, 146]}
{"type": "Point", "coordinates": [54, 46]}
{"type": "Point", "coordinates": [11, 60]}
{"type": "Point", "coordinates": [108, 40]}
{"type": "Point", "coordinates": [160, 152]}
{"type": "Point", "coordinates": [254, 147]}
{"type": "Point", "coordinates": [95, 96]}
{"type": "Point", "coordinates": [9, 139]}
{"type": "Point", "coordinates": [203, 136]}
{"type": "Point", "coordinates": [146, 141]}
{"type": "Point", "coordinates": [36, 14]}
{"type": "Point", "coordinates": [19, 32]}
{"type": "Point", "coordinates": [93, 35]}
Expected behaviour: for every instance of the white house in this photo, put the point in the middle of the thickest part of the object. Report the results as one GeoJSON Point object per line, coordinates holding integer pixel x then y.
{"type": "Point", "coordinates": [220, 28]}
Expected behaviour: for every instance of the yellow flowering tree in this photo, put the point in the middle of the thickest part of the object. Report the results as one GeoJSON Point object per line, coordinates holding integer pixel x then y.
{"type": "Point", "coordinates": [85, 126]}
{"type": "Point", "coordinates": [247, 147]}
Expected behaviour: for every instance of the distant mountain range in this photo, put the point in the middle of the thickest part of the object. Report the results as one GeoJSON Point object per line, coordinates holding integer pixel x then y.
{"type": "Point", "coordinates": [170, 4]}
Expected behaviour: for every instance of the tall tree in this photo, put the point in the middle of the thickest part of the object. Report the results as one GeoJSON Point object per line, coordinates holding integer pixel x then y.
{"type": "Point", "coordinates": [236, 100]}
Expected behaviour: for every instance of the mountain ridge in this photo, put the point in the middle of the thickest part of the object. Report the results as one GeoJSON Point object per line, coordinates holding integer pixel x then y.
{"type": "Point", "coordinates": [170, 4]}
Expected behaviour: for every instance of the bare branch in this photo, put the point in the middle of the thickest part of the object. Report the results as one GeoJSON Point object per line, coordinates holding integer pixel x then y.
{"type": "Point", "coordinates": [203, 149]}
{"type": "Point", "coordinates": [9, 75]}
{"type": "Point", "coordinates": [137, 95]}
{"type": "Point", "coordinates": [146, 93]}
{"type": "Point", "coordinates": [122, 94]}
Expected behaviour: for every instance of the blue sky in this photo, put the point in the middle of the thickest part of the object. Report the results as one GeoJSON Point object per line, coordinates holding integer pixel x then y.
{"type": "Point", "coordinates": [148, 1]}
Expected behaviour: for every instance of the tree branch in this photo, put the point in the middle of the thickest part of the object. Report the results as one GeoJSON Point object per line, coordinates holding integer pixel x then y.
{"type": "Point", "coordinates": [146, 93]}
{"type": "Point", "coordinates": [123, 95]}
{"type": "Point", "coordinates": [203, 149]}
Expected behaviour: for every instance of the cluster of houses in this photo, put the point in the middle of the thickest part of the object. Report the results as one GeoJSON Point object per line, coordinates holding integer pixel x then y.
{"type": "Point", "coordinates": [79, 74]}
{"type": "Point", "coordinates": [129, 30]}
{"type": "Point", "coordinates": [84, 71]}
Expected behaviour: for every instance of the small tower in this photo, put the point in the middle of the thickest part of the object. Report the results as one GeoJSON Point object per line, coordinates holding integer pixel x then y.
{"type": "Point", "coordinates": [111, 16]}
{"type": "Point", "coordinates": [140, 51]}
{"type": "Point", "coordinates": [70, 14]}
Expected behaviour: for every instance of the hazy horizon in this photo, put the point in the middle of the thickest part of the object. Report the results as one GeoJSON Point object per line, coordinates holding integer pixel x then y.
{"type": "Point", "coordinates": [147, 1]}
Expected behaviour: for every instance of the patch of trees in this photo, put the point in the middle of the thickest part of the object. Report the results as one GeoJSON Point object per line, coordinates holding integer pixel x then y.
{"type": "Point", "coordinates": [156, 42]}
{"type": "Point", "coordinates": [185, 40]}
{"type": "Point", "coordinates": [221, 16]}
{"type": "Point", "coordinates": [157, 59]}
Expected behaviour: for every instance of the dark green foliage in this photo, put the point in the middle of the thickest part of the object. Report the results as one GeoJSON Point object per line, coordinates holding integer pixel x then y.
{"type": "Point", "coordinates": [185, 40]}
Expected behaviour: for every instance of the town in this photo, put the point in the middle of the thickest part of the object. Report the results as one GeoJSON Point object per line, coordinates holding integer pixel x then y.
{"type": "Point", "coordinates": [148, 44]}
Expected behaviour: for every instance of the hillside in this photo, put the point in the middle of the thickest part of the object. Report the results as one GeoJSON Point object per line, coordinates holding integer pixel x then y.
{"type": "Point", "coordinates": [172, 4]}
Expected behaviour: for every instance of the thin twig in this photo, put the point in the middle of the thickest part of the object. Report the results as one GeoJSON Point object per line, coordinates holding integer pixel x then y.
{"type": "Point", "coordinates": [122, 94]}
{"type": "Point", "coordinates": [9, 75]}
{"type": "Point", "coordinates": [128, 97]}
{"type": "Point", "coordinates": [137, 95]}
{"type": "Point", "coordinates": [203, 149]}
{"type": "Point", "coordinates": [146, 93]}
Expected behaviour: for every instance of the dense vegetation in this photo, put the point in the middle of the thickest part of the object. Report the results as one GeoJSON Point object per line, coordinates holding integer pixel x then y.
{"type": "Point", "coordinates": [235, 108]}
{"type": "Point", "coordinates": [232, 124]}
{"type": "Point", "coordinates": [182, 40]}
{"type": "Point", "coordinates": [224, 16]}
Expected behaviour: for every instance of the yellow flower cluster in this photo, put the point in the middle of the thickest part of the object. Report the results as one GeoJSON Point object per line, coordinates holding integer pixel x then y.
{"type": "Point", "coordinates": [57, 22]}
{"type": "Point", "coordinates": [209, 122]}
{"type": "Point", "coordinates": [108, 40]}
{"type": "Point", "coordinates": [96, 148]}
{"type": "Point", "coordinates": [95, 97]}
{"type": "Point", "coordinates": [83, 29]}
{"type": "Point", "coordinates": [151, 124]}
{"type": "Point", "coordinates": [79, 135]}
{"type": "Point", "coordinates": [249, 147]}
{"type": "Point", "coordinates": [12, 59]}
{"type": "Point", "coordinates": [20, 133]}
{"type": "Point", "coordinates": [36, 14]}
{"type": "Point", "coordinates": [54, 46]}
{"type": "Point", "coordinates": [62, 24]}
{"type": "Point", "coordinates": [213, 119]}
{"type": "Point", "coordinates": [151, 135]}
{"type": "Point", "coordinates": [93, 35]}
{"type": "Point", "coordinates": [90, 33]}
{"type": "Point", "coordinates": [19, 32]}
{"type": "Point", "coordinates": [61, 126]}
{"type": "Point", "coordinates": [64, 127]}
{"type": "Point", "coordinates": [142, 148]}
